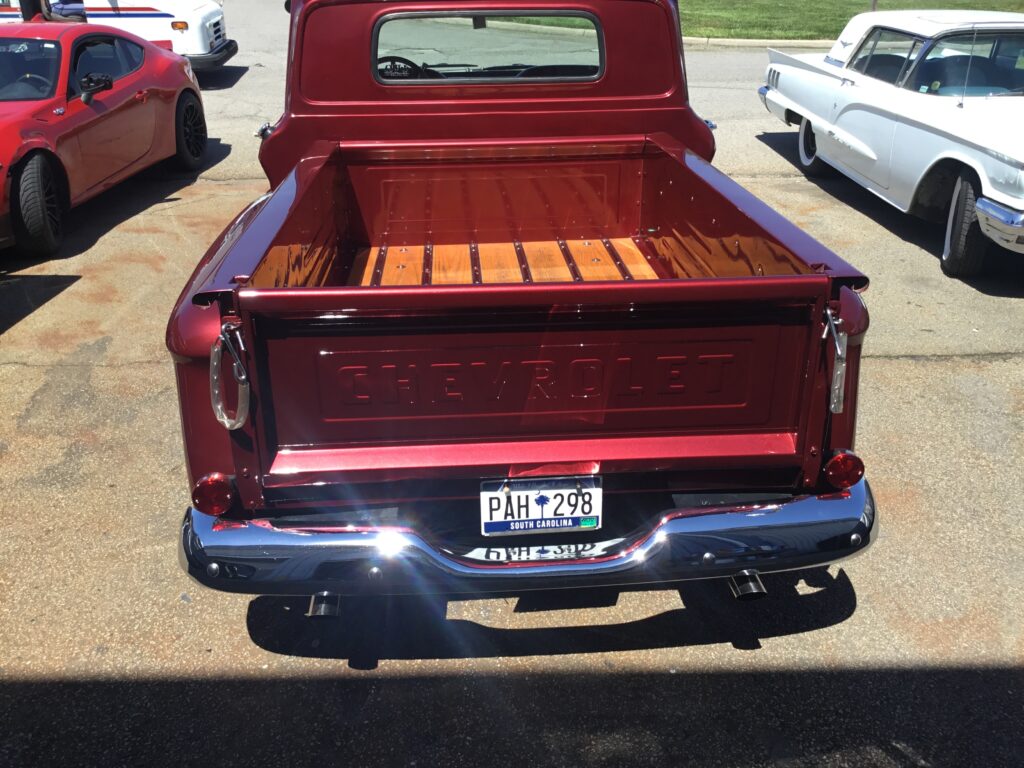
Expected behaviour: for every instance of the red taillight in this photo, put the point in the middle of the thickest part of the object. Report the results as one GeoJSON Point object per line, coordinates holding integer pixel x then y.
{"type": "Point", "coordinates": [844, 470]}
{"type": "Point", "coordinates": [213, 494]}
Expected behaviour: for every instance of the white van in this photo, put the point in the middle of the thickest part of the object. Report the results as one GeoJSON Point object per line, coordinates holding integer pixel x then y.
{"type": "Point", "coordinates": [195, 28]}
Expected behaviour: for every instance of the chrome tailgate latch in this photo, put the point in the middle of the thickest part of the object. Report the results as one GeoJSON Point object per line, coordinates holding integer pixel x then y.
{"type": "Point", "coordinates": [839, 337]}
{"type": "Point", "coordinates": [230, 333]}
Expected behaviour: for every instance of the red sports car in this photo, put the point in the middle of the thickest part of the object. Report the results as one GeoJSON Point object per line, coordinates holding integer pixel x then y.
{"type": "Point", "coordinates": [83, 107]}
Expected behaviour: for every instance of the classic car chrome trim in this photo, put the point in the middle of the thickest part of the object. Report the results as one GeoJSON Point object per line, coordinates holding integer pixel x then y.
{"type": "Point", "coordinates": [241, 378]}
{"type": "Point", "coordinates": [1001, 224]}
{"type": "Point", "coordinates": [259, 557]}
{"type": "Point", "coordinates": [840, 339]}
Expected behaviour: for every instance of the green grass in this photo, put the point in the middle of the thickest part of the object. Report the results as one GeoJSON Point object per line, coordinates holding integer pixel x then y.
{"type": "Point", "coordinates": [549, 21]}
{"type": "Point", "coordinates": [800, 19]}
{"type": "Point", "coordinates": [789, 19]}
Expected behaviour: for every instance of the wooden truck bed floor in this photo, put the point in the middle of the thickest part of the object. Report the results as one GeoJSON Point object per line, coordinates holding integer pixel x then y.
{"type": "Point", "coordinates": [549, 261]}
{"type": "Point", "coordinates": [538, 261]}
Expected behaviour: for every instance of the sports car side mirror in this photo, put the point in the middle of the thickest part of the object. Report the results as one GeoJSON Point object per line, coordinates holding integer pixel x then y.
{"type": "Point", "coordinates": [92, 84]}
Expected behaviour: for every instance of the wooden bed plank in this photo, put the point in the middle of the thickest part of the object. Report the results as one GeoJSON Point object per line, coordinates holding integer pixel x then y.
{"type": "Point", "coordinates": [499, 263]}
{"type": "Point", "coordinates": [404, 266]}
{"type": "Point", "coordinates": [634, 260]}
{"type": "Point", "coordinates": [547, 265]}
{"type": "Point", "coordinates": [593, 260]}
{"type": "Point", "coordinates": [452, 265]}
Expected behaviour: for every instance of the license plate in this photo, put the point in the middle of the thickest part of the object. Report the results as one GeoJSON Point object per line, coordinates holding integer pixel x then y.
{"type": "Point", "coordinates": [540, 505]}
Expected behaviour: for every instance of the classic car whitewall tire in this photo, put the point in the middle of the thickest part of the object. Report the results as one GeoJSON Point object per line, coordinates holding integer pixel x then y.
{"type": "Point", "coordinates": [963, 253]}
{"type": "Point", "coordinates": [808, 151]}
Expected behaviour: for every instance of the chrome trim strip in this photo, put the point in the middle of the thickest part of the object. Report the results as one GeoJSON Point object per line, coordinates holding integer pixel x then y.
{"type": "Point", "coordinates": [256, 557]}
{"type": "Point", "coordinates": [1001, 224]}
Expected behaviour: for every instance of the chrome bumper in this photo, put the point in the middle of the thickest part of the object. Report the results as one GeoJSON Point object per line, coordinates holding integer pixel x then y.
{"type": "Point", "coordinates": [763, 93]}
{"type": "Point", "coordinates": [1003, 225]}
{"type": "Point", "coordinates": [696, 543]}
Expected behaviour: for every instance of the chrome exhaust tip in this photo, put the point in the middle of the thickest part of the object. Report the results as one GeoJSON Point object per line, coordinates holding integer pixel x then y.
{"type": "Point", "coordinates": [324, 605]}
{"type": "Point", "coordinates": [746, 585]}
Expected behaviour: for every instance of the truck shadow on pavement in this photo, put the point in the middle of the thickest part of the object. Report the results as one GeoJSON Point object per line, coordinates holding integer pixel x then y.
{"type": "Point", "coordinates": [578, 716]}
{"type": "Point", "coordinates": [1004, 271]}
{"type": "Point", "coordinates": [370, 629]}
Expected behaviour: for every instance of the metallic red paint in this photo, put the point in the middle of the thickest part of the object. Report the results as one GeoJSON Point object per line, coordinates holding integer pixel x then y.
{"type": "Point", "coordinates": [331, 96]}
{"type": "Point", "coordinates": [626, 156]}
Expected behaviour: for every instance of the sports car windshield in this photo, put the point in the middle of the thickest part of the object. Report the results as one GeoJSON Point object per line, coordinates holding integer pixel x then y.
{"type": "Point", "coordinates": [29, 69]}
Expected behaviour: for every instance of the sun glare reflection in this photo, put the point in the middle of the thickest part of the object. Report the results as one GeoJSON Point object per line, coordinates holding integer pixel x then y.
{"type": "Point", "coordinates": [390, 543]}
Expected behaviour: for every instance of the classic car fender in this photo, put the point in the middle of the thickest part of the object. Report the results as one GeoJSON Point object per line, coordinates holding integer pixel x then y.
{"type": "Point", "coordinates": [934, 185]}
{"type": "Point", "coordinates": [800, 83]}
{"type": "Point", "coordinates": [789, 111]}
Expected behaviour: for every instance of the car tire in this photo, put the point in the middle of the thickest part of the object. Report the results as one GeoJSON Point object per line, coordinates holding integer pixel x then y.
{"type": "Point", "coordinates": [37, 207]}
{"type": "Point", "coordinates": [190, 132]}
{"type": "Point", "coordinates": [963, 254]}
{"type": "Point", "coordinates": [807, 150]}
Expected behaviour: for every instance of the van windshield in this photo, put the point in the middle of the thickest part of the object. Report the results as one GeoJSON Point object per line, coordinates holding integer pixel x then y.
{"type": "Point", "coordinates": [493, 47]}
{"type": "Point", "coordinates": [29, 69]}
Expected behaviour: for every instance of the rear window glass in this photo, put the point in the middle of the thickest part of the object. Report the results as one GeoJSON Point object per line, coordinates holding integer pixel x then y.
{"type": "Point", "coordinates": [433, 48]}
{"type": "Point", "coordinates": [887, 55]}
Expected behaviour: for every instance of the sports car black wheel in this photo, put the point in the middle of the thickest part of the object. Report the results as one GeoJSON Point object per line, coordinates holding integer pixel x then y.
{"type": "Point", "coordinates": [37, 207]}
{"type": "Point", "coordinates": [190, 132]}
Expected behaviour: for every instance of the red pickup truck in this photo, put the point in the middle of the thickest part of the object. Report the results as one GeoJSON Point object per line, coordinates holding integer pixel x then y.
{"type": "Point", "coordinates": [500, 325]}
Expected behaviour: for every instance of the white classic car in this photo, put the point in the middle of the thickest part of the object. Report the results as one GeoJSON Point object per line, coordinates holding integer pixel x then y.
{"type": "Point", "coordinates": [926, 110]}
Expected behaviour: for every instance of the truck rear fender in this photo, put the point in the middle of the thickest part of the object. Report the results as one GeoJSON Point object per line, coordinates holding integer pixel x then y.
{"type": "Point", "coordinates": [196, 319]}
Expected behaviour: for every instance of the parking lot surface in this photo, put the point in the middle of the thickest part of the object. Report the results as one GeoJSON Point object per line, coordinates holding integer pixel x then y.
{"type": "Point", "coordinates": [908, 656]}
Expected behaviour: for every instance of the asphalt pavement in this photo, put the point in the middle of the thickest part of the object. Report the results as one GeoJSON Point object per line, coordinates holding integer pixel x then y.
{"type": "Point", "coordinates": [908, 656]}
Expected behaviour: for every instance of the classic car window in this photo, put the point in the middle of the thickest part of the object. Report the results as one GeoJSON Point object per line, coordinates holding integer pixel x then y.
{"type": "Point", "coordinates": [983, 64]}
{"type": "Point", "coordinates": [426, 48]}
{"type": "Point", "coordinates": [886, 55]}
{"type": "Point", "coordinates": [29, 69]}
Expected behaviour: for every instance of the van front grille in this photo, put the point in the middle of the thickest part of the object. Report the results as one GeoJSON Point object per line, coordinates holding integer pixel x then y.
{"type": "Point", "coordinates": [217, 33]}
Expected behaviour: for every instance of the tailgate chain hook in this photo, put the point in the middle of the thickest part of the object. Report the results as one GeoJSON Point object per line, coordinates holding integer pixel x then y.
{"type": "Point", "coordinates": [227, 331]}
{"type": "Point", "coordinates": [839, 337]}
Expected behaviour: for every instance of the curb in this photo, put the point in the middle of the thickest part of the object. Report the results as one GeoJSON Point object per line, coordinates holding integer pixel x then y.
{"type": "Point", "coordinates": [739, 42]}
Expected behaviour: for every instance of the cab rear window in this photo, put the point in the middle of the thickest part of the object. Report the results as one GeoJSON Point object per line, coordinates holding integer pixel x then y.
{"type": "Point", "coordinates": [461, 47]}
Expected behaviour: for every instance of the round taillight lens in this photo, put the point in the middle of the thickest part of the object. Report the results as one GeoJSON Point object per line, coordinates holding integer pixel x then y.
{"type": "Point", "coordinates": [844, 470]}
{"type": "Point", "coordinates": [213, 494]}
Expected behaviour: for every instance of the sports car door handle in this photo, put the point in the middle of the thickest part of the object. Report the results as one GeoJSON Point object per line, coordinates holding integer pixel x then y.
{"type": "Point", "coordinates": [141, 96]}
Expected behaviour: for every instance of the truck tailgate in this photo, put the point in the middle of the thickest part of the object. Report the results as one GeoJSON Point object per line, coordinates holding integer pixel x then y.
{"type": "Point", "coordinates": [492, 380]}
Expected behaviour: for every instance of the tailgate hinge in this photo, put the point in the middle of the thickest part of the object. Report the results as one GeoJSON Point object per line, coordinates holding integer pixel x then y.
{"type": "Point", "coordinates": [227, 331]}
{"type": "Point", "coordinates": [839, 337]}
